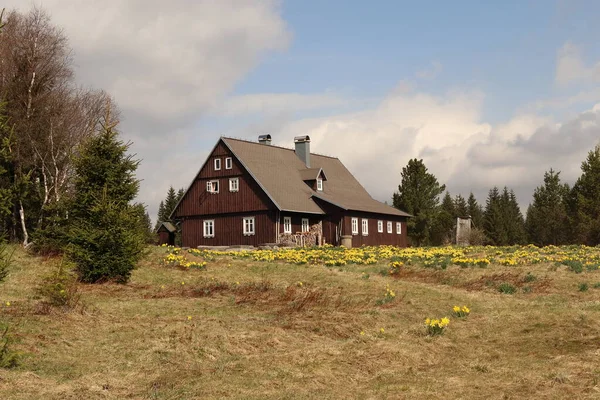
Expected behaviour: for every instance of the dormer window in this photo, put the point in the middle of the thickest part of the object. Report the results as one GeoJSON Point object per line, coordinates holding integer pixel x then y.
{"type": "Point", "coordinates": [319, 184]}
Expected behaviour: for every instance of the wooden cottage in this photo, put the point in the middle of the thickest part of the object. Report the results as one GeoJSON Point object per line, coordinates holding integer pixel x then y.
{"type": "Point", "coordinates": [252, 193]}
{"type": "Point", "coordinates": [166, 233]}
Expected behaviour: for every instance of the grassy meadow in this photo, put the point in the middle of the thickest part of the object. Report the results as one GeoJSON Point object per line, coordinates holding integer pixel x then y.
{"type": "Point", "coordinates": [323, 324]}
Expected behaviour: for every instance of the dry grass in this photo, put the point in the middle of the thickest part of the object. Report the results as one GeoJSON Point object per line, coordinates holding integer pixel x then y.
{"type": "Point", "coordinates": [257, 333]}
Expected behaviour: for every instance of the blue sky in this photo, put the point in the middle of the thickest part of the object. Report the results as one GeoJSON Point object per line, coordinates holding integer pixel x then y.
{"type": "Point", "coordinates": [363, 49]}
{"type": "Point", "coordinates": [487, 93]}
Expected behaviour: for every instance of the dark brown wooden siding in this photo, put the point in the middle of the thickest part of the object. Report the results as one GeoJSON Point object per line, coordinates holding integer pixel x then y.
{"type": "Point", "coordinates": [249, 198]}
{"type": "Point", "coordinates": [229, 230]}
{"type": "Point", "coordinates": [375, 238]}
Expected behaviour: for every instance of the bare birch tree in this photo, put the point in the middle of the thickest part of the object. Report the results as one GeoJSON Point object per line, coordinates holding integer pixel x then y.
{"type": "Point", "coordinates": [49, 114]}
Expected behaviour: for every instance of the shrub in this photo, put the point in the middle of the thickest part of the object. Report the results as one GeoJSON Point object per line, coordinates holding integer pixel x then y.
{"type": "Point", "coordinates": [60, 288]}
{"type": "Point", "coordinates": [6, 255]}
{"type": "Point", "coordinates": [477, 237]}
{"type": "Point", "coordinates": [8, 357]}
{"type": "Point", "coordinates": [506, 288]}
{"type": "Point", "coordinates": [574, 265]}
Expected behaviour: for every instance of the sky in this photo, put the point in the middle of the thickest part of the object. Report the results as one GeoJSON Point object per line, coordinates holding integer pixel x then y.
{"type": "Point", "coordinates": [486, 93]}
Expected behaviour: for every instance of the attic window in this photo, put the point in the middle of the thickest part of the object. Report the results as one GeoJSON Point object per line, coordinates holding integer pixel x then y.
{"type": "Point", "coordinates": [217, 164]}
{"type": "Point", "coordinates": [228, 163]}
{"type": "Point", "coordinates": [319, 184]}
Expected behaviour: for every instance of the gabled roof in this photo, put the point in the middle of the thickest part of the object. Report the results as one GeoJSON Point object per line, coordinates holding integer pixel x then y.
{"type": "Point", "coordinates": [311, 174]}
{"type": "Point", "coordinates": [168, 226]}
{"type": "Point", "coordinates": [280, 173]}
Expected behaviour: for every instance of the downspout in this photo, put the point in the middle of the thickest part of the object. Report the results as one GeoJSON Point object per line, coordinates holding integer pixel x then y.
{"type": "Point", "coordinates": [277, 226]}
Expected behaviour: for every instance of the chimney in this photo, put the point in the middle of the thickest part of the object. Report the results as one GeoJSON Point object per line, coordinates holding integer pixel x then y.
{"type": "Point", "coordinates": [303, 149]}
{"type": "Point", "coordinates": [265, 139]}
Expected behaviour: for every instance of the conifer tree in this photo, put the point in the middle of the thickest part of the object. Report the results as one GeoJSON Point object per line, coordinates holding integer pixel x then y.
{"type": "Point", "coordinates": [104, 235]}
{"type": "Point", "coordinates": [161, 215]}
{"type": "Point", "coordinates": [460, 206]}
{"type": "Point", "coordinates": [444, 227]}
{"type": "Point", "coordinates": [475, 211]}
{"type": "Point", "coordinates": [515, 224]}
{"type": "Point", "coordinates": [547, 218]}
{"type": "Point", "coordinates": [170, 203]}
{"type": "Point", "coordinates": [585, 201]}
{"type": "Point", "coordinates": [493, 221]}
{"type": "Point", "coordinates": [418, 194]}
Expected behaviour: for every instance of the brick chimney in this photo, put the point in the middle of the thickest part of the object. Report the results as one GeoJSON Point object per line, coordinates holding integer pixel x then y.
{"type": "Point", "coordinates": [303, 149]}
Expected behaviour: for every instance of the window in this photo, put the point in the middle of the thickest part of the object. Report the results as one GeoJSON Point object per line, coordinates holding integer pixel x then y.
{"type": "Point", "coordinates": [379, 226]}
{"type": "Point", "coordinates": [355, 226]}
{"type": "Point", "coordinates": [287, 224]}
{"type": "Point", "coordinates": [209, 228]}
{"type": "Point", "coordinates": [319, 184]}
{"type": "Point", "coordinates": [228, 163]}
{"type": "Point", "coordinates": [365, 227]}
{"type": "Point", "coordinates": [390, 230]}
{"type": "Point", "coordinates": [212, 186]}
{"type": "Point", "coordinates": [234, 184]}
{"type": "Point", "coordinates": [305, 225]}
{"type": "Point", "coordinates": [398, 228]}
{"type": "Point", "coordinates": [217, 164]}
{"type": "Point", "coordinates": [248, 226]}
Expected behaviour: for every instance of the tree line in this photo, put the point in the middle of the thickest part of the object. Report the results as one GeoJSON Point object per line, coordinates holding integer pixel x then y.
{"type": "Point", "coordinates": [558, 214]}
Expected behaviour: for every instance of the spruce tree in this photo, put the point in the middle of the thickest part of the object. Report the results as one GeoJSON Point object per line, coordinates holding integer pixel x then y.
{"type": "Point", "coordinates": [170, 203]}
{"type": "Point", "coordinates": [585, 201]}
{"type": "Point", "coordinates": [418, 194]}
{"type": "Point", "coordinates": [547, 218]}
{"type": "Point", "coordinates": [515, 224]}
{"type": "Point", "coordinates": [493, 219]}
{"type": "Point", "coordinates": [443, 232]}
{"type": "Point", "coordinates": [161, 215]}
{"type": "Point", "coordinates": [475, 211]}
{"type": "Point", "coordinates": [105, 240]}
{"type": "Point", "coordinates": [460, 206]}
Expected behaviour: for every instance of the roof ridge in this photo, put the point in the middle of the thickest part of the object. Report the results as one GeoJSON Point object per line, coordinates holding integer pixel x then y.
{"type": "Point", "coordinates": [272, 145]}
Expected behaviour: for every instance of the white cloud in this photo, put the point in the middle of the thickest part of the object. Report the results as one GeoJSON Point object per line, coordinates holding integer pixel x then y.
{"type": "Point", "coordinates": [275, 103]}
{"type": "Point", "coordinates": [459, 147]}
{"type": "Point", "coordinates": [571, 68]}
{"type": "Point", "coordinates": [166, 64]}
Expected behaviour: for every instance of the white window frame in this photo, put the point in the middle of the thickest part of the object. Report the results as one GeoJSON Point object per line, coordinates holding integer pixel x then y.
{"type": "Point", "coordinates": [319, 184]}
{"type": "Point", "coordinates": [228, 163]}
{"type": "Point", "coordinates": [305, 224]}
{"type": "Point", "coordinates": [390, 227]}
{"type": "Point", "coordinates": [380, 226]}
{"type": "Point", "coordinates": [217, 164]}
{"type": "Point", "coordinates": [287, 224]}
{"type": "Point", "coordinates": [234, 182]}
{"type": "Point", "coordinates": [355, 226]}
{"type": "Point", "coordinates": [249, 226]}
{"type": "Point", "coordinates": [365, 226]}
{"type": "Point", "coordinates": [399, 228]}
{"type": "Point", "coordinates": [208, 228]}
{"type": "Point", "coordinates": [212, 186]}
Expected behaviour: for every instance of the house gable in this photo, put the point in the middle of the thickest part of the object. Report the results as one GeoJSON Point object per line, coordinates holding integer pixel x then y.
{"type": "Point", "coordinates": [245, 195]}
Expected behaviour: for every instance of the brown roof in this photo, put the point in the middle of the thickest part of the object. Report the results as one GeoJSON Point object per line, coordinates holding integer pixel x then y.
{"type": "Point", "coordinates": [281, 175]}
